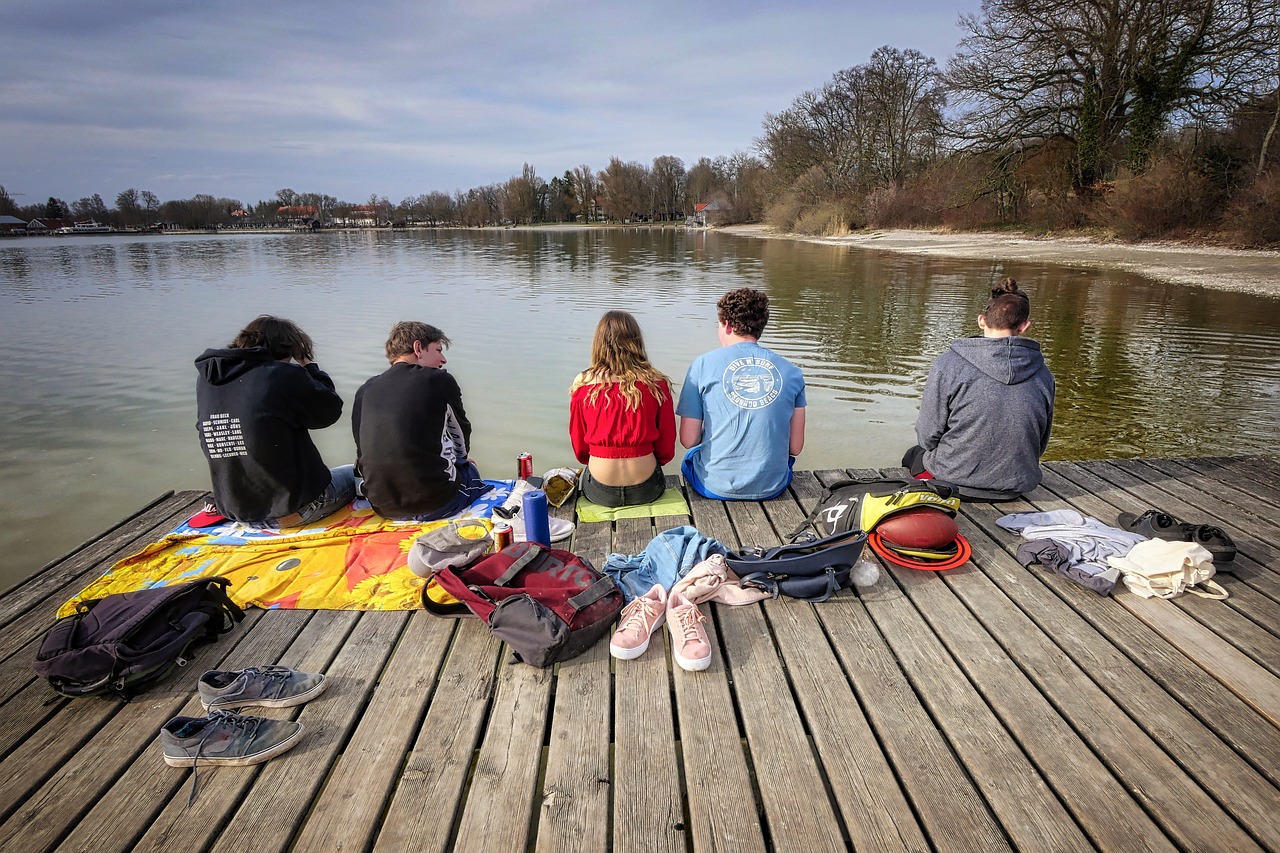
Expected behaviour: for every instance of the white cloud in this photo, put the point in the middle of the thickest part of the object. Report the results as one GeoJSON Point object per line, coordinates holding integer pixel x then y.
{"type": "Point", "coordinates": [243, 98]}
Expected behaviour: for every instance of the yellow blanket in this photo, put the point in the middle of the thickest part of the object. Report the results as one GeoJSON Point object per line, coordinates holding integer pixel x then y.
{"type": "Point", "coordinates": [356, 561]}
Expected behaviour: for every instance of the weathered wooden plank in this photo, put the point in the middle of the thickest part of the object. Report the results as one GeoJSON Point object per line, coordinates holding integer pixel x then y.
{"type": "Point", "coordinates": [573, 813]}
{"type": "Point", "coordinates": [1079, 484]}
{"type": "Point", "coordinates": [59, 772]}
{"type": "Point", "coordinates": [952, 813]}
{"type": "Point", "coordinates": [29, 619]}
{"type": "Point", "coordinates": [1207, 493]}
{"type": "Point", "coordinates": [1026, 806]}
{"type": "Point", "coordinates": [1186, 504]}
{"type": "Point", "coordinates": [648, 803]}
{"type": "Point", "coordinates": [1074, 765]}
{"type": "Point", "coordinates": [1157, 686]}
{"type": "Point", "coordinates": [45, 582]}
{"type": "Point", "coordinates": [1248, 480]}
{"type": "Point", "coordinates": [718, 775]}
{"type": "Point", "coordinates": [500, 801]}
{"type": "Point", "coordinates": [1238, 486]}
{"type": "Point", "coordinates": [131, 807]}
{"type": "Point", "coordinates": [423, 810]}
{"type": "Point", "coordinates": [349, 808]}
{"type": "Point", "coordinates": [574, 809]}
{"type": "Point", "coordinates": [272, 809]}
{"type": "Point", "coordinates": [186, 825]}
{"type": "Point", "coordinates": [798, 817]}
{"type": "Point", "coordinates": [867, 793]}
{"type": "Point", "coordinates": [1243, 676]}
{"type": "Point", "coordinates": [1012, 785]}
{"type": "Point", "coordinates": [1233, 622]}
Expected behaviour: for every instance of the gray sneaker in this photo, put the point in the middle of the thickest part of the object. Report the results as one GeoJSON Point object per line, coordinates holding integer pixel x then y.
{"type": "Point", "coordinates": [224, 738]}
{"type": "Point", "coordinates": [264, 686]}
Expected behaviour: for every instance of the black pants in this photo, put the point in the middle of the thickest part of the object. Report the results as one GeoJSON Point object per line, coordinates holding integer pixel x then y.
{"type": "Point", "coordinates": [913, 460]}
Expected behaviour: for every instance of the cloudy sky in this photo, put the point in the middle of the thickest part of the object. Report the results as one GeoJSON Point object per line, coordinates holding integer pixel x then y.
{"type": "Point", "coordinates": [239, 99]}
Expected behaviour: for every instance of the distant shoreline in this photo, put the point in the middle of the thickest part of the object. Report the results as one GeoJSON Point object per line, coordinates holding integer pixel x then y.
{"type": "Point", "coordinates": [1239, 270]}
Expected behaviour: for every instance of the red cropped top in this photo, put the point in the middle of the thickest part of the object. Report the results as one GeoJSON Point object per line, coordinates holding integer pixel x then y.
{"type": "Point", "coordinates": [609, 430]}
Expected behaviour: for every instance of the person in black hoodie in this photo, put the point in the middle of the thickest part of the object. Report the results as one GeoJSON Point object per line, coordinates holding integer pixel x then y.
{"type": "Point", "coordinates": [987, 408]}
{"type": "Point", "coordinates": [255, 407]}
{"type": "Point", "coordinates": [412, 433]}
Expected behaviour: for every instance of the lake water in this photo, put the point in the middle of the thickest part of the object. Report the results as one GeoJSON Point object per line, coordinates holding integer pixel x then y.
{"type": "Point", "coordinates": [98, 333]}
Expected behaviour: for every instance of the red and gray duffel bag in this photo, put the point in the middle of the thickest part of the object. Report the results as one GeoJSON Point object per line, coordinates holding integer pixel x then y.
{"type": "Point", "coordinates": [547, 605]}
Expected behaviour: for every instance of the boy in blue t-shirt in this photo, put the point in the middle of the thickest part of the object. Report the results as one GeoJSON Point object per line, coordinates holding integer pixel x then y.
{"type": "Point", "coordinates": [741, 409]}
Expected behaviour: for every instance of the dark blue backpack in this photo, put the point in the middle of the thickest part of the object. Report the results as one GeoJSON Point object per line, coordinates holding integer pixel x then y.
{"type": "Point", "coordinates": [121, 644]}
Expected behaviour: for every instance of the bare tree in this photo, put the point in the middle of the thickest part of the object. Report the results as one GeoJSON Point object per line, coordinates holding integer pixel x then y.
{"type": "Point", "coordinates": [624, 187]}
{"type": "Point", "coordinates": [584, 192]}
{"type": "Point", "coordinates": [90, 207]}
{"type": "Point", "coordinates": [668, 182]}
{"type": "Point", "coordinates": [1105, 75]}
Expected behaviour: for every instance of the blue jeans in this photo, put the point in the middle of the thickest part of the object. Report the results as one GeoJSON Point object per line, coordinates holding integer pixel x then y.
{"type": "Point", "coordinates": [470, 487]}
{"type": "Point", "coordinates": [691, 477]}
{"type": "Point", "coordinates": [340, 492]}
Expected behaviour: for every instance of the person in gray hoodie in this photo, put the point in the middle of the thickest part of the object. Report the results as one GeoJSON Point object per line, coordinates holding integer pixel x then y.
{"type": "Point", "coordinates": [987, 408]}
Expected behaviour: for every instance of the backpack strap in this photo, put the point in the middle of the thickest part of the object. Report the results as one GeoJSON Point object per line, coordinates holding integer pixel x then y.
{"type": "Point", "coordinates": [227, 613]}
{"type": "Point", "coordinates": [593, 593]}
{"type": "Point", "coordinates": [892, 484]}
{"type": "Point", "coordinates": [533, 552]}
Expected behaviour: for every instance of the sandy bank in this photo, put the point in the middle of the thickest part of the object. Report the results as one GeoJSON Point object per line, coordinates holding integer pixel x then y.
{"type": "Point", "coordinates": [1206, 266]}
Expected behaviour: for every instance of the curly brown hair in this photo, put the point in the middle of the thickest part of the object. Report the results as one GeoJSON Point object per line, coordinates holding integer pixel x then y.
{"type": "Point", "coordinates": [281, 337]}
{"type": "Point", "coordinates": [745, 310]}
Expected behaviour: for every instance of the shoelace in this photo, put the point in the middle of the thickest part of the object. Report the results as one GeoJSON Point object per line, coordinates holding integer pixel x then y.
{"type": "Point", "coordinates": [688, 618]}
{"type": "Point", "coordinates": [639, 610]}
{"type": "Point", "coordinates": [217, 720]}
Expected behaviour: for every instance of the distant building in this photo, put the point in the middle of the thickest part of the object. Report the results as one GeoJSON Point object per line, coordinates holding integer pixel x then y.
{"type": "Point", "coordinates": [48, 225]}
{"type": "Point", "coordinates": [297, 214]}
{"type": "Point", "coordinates": [12, 226]}
{"type": "Point", "coordinates": [356, 216]}
{"type": "Point", "coordinates": [706, 213]}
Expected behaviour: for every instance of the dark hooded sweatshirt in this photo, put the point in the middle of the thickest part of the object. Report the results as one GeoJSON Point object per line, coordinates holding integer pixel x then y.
{"type": "Point", "coordinates": [253, 416]}
{"type": "Point", "coordinates": [985, 416]}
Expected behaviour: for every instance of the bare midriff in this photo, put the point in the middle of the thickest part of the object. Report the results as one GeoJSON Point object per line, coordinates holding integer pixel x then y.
{"type": "Point", "coordinates": [622, 472]}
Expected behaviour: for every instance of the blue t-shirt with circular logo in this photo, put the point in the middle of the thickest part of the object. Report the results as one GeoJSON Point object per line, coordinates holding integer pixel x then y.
{"type": "Point", "coordinates": [744, 395]}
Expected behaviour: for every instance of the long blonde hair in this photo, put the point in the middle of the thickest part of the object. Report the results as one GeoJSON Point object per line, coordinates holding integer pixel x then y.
{"type": "Point", "coordinates": [618, 358]}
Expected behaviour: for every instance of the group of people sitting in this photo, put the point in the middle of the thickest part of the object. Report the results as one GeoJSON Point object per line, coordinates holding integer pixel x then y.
{"type": "Point", "coordinates": [984, 419]}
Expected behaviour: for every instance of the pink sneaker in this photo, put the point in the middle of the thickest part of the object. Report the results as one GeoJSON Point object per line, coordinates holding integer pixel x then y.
{"type": "Point", "coordinates": [638, 621]}
{"type": "Point", "coordinates": [689, 641]}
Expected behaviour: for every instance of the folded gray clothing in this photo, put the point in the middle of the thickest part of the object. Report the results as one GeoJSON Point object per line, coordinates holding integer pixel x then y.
{"type": "Point", "coordinates": [1053, 555]}
{"type": "Point", "coordinates": [1085, 539]}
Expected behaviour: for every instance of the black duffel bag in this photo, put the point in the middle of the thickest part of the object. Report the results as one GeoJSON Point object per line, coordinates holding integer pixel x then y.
{"type": "Point", "coordinates": [810, 569]}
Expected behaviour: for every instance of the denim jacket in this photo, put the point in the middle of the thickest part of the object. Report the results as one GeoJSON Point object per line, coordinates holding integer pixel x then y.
{"type": "Point", "coordinates": [666, 559]}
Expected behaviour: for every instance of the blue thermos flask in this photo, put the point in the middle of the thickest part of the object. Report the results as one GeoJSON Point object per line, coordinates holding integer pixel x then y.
{"type": "Point", "coordinates": [537, 524]}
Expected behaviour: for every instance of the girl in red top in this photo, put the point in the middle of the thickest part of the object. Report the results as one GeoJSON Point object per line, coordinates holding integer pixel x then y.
{"type": "Point", "coordinates": [621, 419]}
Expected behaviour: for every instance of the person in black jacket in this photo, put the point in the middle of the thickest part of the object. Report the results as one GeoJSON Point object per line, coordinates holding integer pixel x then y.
{"type": "Point", "coordinates": [257, 399]}
{"type": "Point", "coordinates": [412, 433]}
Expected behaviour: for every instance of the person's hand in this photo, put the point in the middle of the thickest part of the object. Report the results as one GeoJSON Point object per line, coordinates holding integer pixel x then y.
{"type": "Point", "coordinates": [304, 361]}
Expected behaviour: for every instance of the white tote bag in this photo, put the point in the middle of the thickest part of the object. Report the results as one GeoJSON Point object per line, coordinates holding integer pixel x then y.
{"type": "Point", "coordinates": [1161, 569]}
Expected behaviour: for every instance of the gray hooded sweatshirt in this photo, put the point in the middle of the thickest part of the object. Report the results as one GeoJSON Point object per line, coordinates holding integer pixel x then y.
{"type": "Point", "coordinates": [985, 416]}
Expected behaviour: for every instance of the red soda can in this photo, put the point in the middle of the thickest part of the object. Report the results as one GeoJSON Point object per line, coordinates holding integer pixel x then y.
{"type": "Point", "coordinates": [503, 536]}
{"type": "Point", "coordinates": [524, 466]}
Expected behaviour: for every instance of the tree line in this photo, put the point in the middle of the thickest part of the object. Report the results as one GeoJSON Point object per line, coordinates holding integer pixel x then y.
{"type": "Point", "coordinates": [1144, 118]}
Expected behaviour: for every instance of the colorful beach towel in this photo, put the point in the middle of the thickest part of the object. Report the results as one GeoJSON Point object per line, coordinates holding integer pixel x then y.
{"type": "Point", "coordinates": [671, 503]}
{"type": "Point", "coordinates": [352, 560]}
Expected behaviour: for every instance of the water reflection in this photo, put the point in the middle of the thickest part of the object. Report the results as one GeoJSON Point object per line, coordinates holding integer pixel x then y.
{"type": "Point", "coordinates": [97, 336]}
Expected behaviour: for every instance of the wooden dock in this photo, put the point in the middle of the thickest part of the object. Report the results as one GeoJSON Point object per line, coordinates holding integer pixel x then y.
{"type": "Point", "coordinates": [986, 708]}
